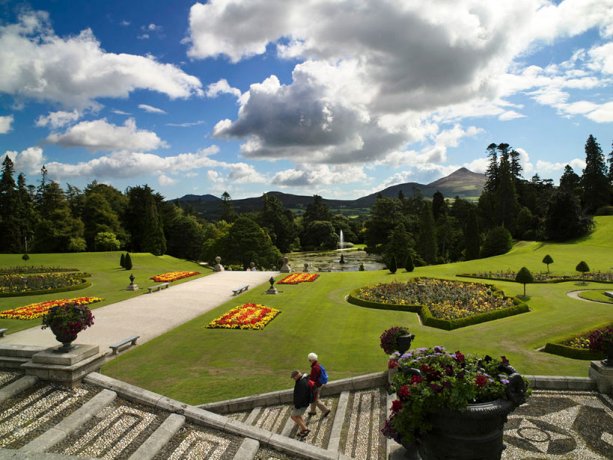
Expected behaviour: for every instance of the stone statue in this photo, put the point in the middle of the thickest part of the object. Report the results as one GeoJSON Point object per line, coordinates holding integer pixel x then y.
{"type": "Point", "coordinates": [272, 289]}
{"type": "Point", "coordinates": [252, 267]}
{"type": "Point", "coordinates": [285, 268]}
{"type": "Point", "coordinates": [306, 268]}
{"type": "Point", "coordinates": [132, 286]}
{"type": "Point", "coordinates": [218, 267]}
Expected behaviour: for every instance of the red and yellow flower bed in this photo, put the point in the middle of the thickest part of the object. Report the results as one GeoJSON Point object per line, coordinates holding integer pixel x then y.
{"type": "Point", "coordinates": [36, 310]}
{"type": "Point", "coordinates": [246, 316]}
{"type": "Point", "coordinates": [297, 278]}
{"type": "Point", "coordinates": [172, 276]}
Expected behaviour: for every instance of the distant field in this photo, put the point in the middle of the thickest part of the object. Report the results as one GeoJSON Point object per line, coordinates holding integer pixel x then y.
{"type": "Point", "coordinates": [196, 365]}
{"type": "Point", "coordinates": [108, 279]}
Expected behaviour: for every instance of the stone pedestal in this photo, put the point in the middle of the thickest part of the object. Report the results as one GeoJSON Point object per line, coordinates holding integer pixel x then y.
{"type": "Point", "coordinates": [603, 376]}
{"type": "Point", "coordinates": [132, 287]}
{"type": "Point", "coordinates": [66, 368]}
{"type": "Point", "coordinates": [272, 290]}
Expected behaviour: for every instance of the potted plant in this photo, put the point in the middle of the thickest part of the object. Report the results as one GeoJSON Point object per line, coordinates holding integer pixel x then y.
{"type": "Point", "coordinates": [396, 338]}
{"type": "Point", "coordinates": [601, 340]}
{"type": "Point", "coordinates": [66, 321]}
{"type": "Point", "coordinates": [451, 402]}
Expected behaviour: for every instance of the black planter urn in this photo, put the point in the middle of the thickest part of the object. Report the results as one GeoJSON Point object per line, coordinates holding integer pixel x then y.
{"type": "Point", "coordinates": [474, 433]}
{"type": "Point", "coordinates": [403, 342]}
{"type": "Point", "coordinates": [64, 338]}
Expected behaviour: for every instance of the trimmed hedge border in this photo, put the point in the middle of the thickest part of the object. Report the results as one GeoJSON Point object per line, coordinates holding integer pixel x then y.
{"type": "Point", "coordinates": [552, 281]}
{"type": "Point", "coordinates": [570, 352]}
{"type": "Point", "coordinates": [83, 285]}
{"type": "Point", "coordinates": [447, 324]}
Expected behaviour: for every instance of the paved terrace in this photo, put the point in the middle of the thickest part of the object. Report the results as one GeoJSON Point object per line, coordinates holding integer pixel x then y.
{"type": "Point", "coordinates": [151, 315]}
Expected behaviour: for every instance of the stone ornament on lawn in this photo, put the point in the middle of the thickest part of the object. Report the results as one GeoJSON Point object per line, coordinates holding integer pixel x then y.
{"type": "Point", "coordinates": [285, 268]}
{"type": "Point", "coordinates": [218, 267]}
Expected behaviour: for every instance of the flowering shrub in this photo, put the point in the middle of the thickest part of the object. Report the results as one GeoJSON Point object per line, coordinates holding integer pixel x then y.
{"type": "Point", "coordinates": [246, 316]}
{"type": "Point", "coordinates": [296, 278]}
{"type": "Point", "coordinates": [36, 310]}
{"type": "Point", "coordinates": [445, 299]}
{"type": "Point", "coordinates": [389, 338]}
{"type": "Point", "coordinates": [67, 320]}
{"type": "Point", "coordinates": [600, 339]}
{"type": "Point", "coordinates": [172, 276]}
{"type": "Point", "coordinates": [431, 379]}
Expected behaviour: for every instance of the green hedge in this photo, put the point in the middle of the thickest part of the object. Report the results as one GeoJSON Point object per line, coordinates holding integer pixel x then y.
{"type": "Point", "coordinates": [570, 352]}
{"type": "Point", "coordinates": [77, 287]}
{"type": "Point", "coordinates": [428, 320]}
{"type": "Point", "coordinates": [549, 281]}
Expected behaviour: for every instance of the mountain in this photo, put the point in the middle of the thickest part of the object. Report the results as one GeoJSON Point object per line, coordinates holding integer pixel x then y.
{"type": "Point", "coordinates": [462, 183]}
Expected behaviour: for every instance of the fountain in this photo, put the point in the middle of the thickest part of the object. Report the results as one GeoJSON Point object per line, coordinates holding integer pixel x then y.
{"type": "Point", "coordinates": [341, 243]}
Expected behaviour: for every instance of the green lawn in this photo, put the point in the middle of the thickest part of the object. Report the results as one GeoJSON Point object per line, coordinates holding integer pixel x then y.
{"type": "Point", "coordinates": [197, 365]}
{"type": "Point", "coordinates": [597, 295]}
{"type": "Point", "coordinates": [108, 279]}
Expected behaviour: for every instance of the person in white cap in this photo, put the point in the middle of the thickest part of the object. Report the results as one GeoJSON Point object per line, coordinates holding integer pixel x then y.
{"type": "Point", "coordinates": [316, 377]}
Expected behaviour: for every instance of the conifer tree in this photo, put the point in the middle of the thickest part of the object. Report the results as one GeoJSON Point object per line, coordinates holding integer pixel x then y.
{"type": "Point", "coordinates": [594, 179]}
{"type": "Point", "coordinates": [9, 209]}
{"type": "Point", "coordinates": [127, 263]}
{"type": "Point", "coordinates": [409, 266]}
{"type": "Point", "coordinates": [426, 246]}
{"type": "Point", "coordinates": [393, 265]}
{"type": "Point", "coordinates": [122, 261]}
{"type": "Point", "coordinates": [472, 238]}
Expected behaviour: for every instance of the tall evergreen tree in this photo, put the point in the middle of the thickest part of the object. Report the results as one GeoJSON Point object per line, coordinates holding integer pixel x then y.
{"type": "Point", "coordinates": [491, 174]}
{"type": "Point", "coordinates": [472, 236]}
{"type": "Point", "coordinates": [143, 221]}
{"type": "Point", "coordinates": [564, 219]}
{"type": "Point", "coordinates": [426, 245]}
{"type": "Point", "coordinates": [594, 179]}
{"type": "Point", "coordinates": [278, 222]}
{"type": "Point", "coordinates": [11, 240]}
{"type": "Point", "coordinates": [570, 181]}
{"type": "Point", "coordinates": [610, 172]}
{"type": "Point", "coordinates": [27, 213]}
{"type": "Point", "coordinates": [439, 206]}
{"type": "Point", "coordinates": [316, 210]}
{"type": "Point", "coordinates": [506, 195]}
{"type": "Point", "coordinates": [227, 208]}
{"type": "Point", "coordinates": [400, 245]}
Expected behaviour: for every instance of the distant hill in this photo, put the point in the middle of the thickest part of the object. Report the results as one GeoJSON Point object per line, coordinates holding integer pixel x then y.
{"type": "Point", "coordinates": [462, 183]}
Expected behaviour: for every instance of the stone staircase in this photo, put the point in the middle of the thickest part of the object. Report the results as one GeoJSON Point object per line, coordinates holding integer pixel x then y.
{"type": "Point", "coordinates": [104, 418]}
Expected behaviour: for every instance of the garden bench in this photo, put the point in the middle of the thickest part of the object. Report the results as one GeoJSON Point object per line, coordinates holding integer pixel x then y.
{"type": "Point", "coordinates": [2, 331]}
{"type": "Point", "coordinates": [609, 294]}
{"type": "Point", "coordinates": [125, 342]}
{"type": "Point", "coordinates": [240, 289]}
{"type": "Point", "coordinates": [157, 287]}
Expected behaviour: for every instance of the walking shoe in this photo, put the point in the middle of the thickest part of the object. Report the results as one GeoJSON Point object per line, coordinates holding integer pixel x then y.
{"type": "Point", "coordinates": [326, 413]}
{"type": "Point", "coordinates": [303, 434]}
{"type": "Point", "coordinates": [312, 414]}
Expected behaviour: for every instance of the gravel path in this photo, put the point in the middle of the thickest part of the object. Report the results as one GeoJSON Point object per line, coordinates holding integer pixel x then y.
{"type": "Point", "coordinates": [150, 315]}
{"type": "Point", "coordinates": [575, 295]}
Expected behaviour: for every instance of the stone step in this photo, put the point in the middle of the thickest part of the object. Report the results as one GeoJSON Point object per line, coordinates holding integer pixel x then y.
{"type": "Point", "coordinates": [71, 423]}
{"type": "Point", "coordinates": [159, 438]}
{"type": "Point", "coordinates": [16, 387]}
{"type": "Point", "coordinates": [366, 414]}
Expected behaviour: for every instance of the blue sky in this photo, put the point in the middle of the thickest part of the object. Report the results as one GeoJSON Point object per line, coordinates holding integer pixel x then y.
{"type": "Point", "coordinates": [338, 98]}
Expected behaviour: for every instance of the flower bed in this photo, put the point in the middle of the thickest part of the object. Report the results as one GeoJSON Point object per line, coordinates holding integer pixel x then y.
{"type": "Point", "coordinates": [36, 310]}
{"type": "Point", "coordinates": [12, 284]}
{"type": "Point", "coordinates": [581, 346]}
{"type": "Point", "coordinates": [246, 316]}
{"type": "Point", "coordinates": [297, 278]}
{"type": "Point", "coordinates": [441, 303]}
{"type": "Point", "coordinates": [543, 277]}
{"type": "Point", "coordinates": [172, 276]}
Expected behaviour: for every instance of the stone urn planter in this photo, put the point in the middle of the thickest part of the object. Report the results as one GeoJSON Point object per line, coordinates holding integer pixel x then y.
{"type": "Point", "coordinates": [66, 321]}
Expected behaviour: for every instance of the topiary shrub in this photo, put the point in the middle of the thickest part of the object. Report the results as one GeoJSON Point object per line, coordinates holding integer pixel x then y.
{"type": "Point", "coordinates": [128, 262]}
{"type": "Point", "coordinates": [408, 264]}
{"type": "Point", "coordinates": [393, 265]}
{"type": "Point", "coordinates": [524, 276]}
{"type": "Point", "coordinates": [122, 260]}
{"type": "Point", "coordinates": [547, 260]}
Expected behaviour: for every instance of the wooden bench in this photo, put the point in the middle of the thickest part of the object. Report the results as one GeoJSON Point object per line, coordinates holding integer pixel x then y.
{"type": "Point", "coordinates": [2, 331]}
{"type": "Point", "coordinates": [125, 342]}
{"type": "Point", "coordinates": [157, 287]}
{"type": "Point", "coordinates": [240, 289]}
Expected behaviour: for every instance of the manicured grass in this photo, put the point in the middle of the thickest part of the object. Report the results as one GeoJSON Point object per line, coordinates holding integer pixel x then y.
{"type": "Point", "coordinates": [597, 295]}
{"type": "Point", "coordinates": [108, 279]}
{"type": "Point", "coordinates": [198, 365]}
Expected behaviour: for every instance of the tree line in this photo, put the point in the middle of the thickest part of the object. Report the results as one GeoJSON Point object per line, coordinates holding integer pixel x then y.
{"type": "Point", "coordinates": [46, 218]}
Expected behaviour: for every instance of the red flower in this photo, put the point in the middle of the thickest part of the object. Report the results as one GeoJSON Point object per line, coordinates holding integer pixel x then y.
{"type": "Point", "coordinates": [404, 392]}
{"type": "Point", "coordinates": [481, 380]}
{"type": "Point", "coordinates": [416, 379]}
{"type": "Point", "coordinates": [396, 405]}
{"type": "Point", "coordinates": [459, 357]}
{"type": "Point", "coordinates": [392, 364]}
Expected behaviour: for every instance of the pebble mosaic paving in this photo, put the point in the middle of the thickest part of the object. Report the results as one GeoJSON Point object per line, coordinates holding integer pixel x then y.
{"type": "Point", "coordinates": [561, 425]}
{"type": "Point", "coordinates": [195, 443]}
{"type": "Point", "coordinates": [7, 377]}
{"type": "Point", "coordinates": [366, 411]}
{"type": "Point", "coordinates": [36, 412]}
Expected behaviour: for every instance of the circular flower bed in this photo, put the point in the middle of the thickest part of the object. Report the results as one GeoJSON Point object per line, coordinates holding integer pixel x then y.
{"type": "Point", "coordinates": [36, 310]}
{"type": "Point", "coordinates": [246, 316]}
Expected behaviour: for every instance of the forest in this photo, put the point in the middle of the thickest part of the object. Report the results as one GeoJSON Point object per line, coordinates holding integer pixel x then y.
{"type": "Point", "coordinates": [421, 230]}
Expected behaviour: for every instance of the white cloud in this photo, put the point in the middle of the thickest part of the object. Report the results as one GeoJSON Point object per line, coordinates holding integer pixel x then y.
{"type": "Point", "coordinates": [57, 119]}
{"type": "Point", "coordinates": [510, 115]}
{"type": "Point", "coordinates": [186, 124]}
{"type": "Point", "coordinates": [602, 114]}
{"type": "Point", "coordinates": [75, 71]}
{"type": "Point", "coordinates": [313, 175]}
{"type": "Point", "coordinates": [101, 135]}
{"type": "Point", "coordinates": [222, 87]}
{"type": "Point", "coordinates": [150, 109]}
{"type": "Point", "coordinates": [6, 123]}
{"type": "Point", "coordinates": [28, 161]}
{"type": "Point", "coordinates": [164, 180]}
